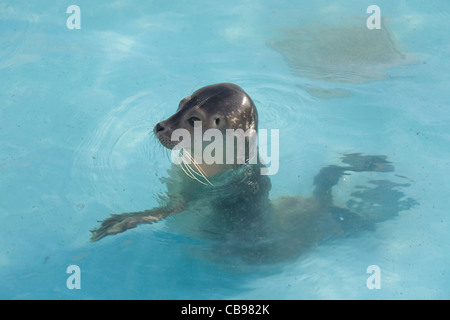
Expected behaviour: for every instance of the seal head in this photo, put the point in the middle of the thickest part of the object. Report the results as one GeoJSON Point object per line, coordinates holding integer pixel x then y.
{"type": "Point", "coordinates": [219, 106]}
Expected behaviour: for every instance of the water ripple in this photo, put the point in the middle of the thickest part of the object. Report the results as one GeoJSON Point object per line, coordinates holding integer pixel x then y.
{"type": "Point", "coordinates": [281, 101]}
{"type": "Point", "coordinates": [120, 154]}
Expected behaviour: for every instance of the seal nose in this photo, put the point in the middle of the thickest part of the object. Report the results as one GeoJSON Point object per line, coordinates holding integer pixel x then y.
{"type": "Point", "coordinates": [159, 128]}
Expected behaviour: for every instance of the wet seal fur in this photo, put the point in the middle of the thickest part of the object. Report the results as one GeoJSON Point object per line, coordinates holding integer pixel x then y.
{"type": "Point", "coordinates": [234, 210]}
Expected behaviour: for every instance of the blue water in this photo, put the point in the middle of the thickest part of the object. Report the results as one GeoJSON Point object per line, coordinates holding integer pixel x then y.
{"type": "Point", "coordinates": [77, 108]}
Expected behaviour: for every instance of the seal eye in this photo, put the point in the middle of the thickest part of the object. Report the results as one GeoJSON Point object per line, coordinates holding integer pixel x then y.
{"type": "Point", "coordinates": [217, 121]}
{"type": "Point", "coordinates": [192, 120]}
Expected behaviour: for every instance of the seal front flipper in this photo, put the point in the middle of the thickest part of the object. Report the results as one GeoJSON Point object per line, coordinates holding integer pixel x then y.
{"type": "Point", "coordinates": [118, 223]}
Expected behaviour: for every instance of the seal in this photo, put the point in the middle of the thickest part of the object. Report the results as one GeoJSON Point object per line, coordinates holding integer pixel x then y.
{"type": "Point", "coordinates": [229, 202]}
{"type": "Point", "coordinates": [237, 187]}
{"type": "Point", "coordinates": [216, 107]}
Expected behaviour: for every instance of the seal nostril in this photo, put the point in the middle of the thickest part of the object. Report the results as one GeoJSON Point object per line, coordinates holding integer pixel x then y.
{"type": "Point", "coordinates": [159, 128]}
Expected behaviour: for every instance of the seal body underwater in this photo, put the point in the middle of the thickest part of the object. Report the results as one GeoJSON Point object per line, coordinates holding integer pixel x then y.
{"type": "Point", "coordinates": [231, 201]}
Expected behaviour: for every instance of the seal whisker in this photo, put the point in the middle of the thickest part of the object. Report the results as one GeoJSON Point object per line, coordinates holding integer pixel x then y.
{"type": "Point", "coordinates": [196, 169]}
{"type": "Point", "coordinates": [185, 167]}
{"type": "Point", "coordinates": [195, 87]}
{"type": "Point", "coordinates": [188, 170]}
{"type": "Point", "coordinates": [192, 170]}
{"type": "Point", "coordinates": [166, 151]}
{"type": "Point", "coordinates": [199, 171]}
{"type": "Point", "coordinates": [189, 174]}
